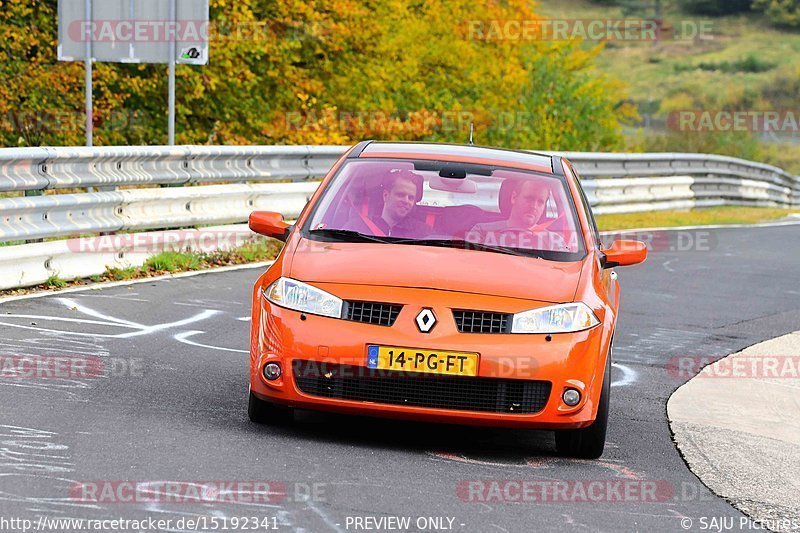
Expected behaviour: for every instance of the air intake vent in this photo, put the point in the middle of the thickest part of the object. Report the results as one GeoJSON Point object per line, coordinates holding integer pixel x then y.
{"type": "Point", "coordinates": [482, 321]}
{"type": "Point", "coordinates": [356, 383]}
{"type": "Point", "coordinates": [380, 314]}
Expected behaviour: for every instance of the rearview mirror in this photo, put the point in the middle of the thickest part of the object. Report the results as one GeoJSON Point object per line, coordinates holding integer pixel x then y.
{"type": "Point", "coordinates": [624, 253]}
{"type": "Point", "coordinates": [270, 224]}
{"type": "Point", "coordinates": [464, 186]}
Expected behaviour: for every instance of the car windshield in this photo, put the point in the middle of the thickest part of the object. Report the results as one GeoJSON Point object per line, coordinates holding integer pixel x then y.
{"type": "Point", "coordinates": [461, 205]}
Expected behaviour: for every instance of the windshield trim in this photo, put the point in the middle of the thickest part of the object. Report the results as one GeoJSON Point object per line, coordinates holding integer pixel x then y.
{"type": "Point", "coordinates": [579, 255]}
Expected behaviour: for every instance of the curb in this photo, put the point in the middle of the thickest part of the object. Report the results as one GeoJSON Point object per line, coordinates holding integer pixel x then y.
{"type": "Point", "coordinates": [737, 426]}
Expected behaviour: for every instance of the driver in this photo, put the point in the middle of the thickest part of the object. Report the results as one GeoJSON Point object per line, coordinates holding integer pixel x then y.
{"type": "Point", "coordinates": [401, 190]}
{"type": "Point", "coordinates": [528, 204]}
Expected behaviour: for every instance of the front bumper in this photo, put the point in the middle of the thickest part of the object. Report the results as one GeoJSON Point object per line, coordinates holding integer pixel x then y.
{"type": "Point", "coordinates": [575, 360]}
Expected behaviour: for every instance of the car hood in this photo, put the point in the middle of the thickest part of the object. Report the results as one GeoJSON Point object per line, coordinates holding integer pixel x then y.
{"type": "Point", "coordinates": [430, 267]}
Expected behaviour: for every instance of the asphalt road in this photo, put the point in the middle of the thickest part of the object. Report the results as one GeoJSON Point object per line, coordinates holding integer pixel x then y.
{"type": "Point", "coordinates": [171, 406]}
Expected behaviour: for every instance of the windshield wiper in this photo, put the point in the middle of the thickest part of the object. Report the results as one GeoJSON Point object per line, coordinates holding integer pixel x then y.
{"type": "Point", "coordinates": [347, 235]}
{"type": "Point", "coordinates": [354, 236]}
{"type": "Point", "coordinates": [467, 245]}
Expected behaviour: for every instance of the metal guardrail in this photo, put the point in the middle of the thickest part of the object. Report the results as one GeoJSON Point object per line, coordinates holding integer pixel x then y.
{"type": "Point", "coordinates": [118, 198]}
{"type": "Point", "coordinates": [38, 169]}
{"type": "Point", "coordinates": [613, 182]}
{"type": "Point", "coordinates": [621, 183]}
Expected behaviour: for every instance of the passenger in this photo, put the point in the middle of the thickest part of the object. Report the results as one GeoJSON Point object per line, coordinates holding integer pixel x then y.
{"type": "Point", "coordinates": [528, 203]}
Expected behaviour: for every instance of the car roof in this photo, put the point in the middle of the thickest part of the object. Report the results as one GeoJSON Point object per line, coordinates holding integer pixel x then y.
{"type": "Point", "coordinates": [457, 152]}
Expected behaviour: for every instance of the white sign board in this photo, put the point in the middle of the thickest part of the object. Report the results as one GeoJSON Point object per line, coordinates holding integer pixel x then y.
{"type": "Point", "coordinates": [134, 31]}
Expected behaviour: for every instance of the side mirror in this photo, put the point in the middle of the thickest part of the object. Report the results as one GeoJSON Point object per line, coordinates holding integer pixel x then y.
{"type": "Point", "coordinates": [270, 224]}
{"type": "Point", "coordinates": [624, 253]}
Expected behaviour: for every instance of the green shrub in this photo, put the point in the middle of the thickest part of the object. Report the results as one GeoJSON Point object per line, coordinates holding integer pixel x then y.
{"type": "Point", "coordinates": [784, 13]}
{"type": "Point", "coordinates": [172, 261]}
{"type": "Point", "coordinates": [715, 8]}
{"type": "Point", "coordinates": [121, 274]}
{"type": "Point", "coordinates": [55, 282]}
{"type": "Point", "coordinates": [750, 63]}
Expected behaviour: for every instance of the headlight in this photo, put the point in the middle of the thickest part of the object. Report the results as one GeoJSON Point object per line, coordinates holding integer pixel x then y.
{"type": "Point", "coordinates": [302, 297]}
{"type": "Point", "coordinates": [565, 318]}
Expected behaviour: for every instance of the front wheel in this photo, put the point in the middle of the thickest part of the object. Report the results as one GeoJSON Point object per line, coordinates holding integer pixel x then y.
{"type": "Point", "coordinates": [588, 442]}
{"type": "Point", "coordinates": [262, 412]}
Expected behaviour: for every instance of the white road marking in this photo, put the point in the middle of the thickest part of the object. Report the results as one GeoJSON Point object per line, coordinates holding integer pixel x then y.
{"type": "Point", "coordinates": [67, 319]}
{"type": "Point", "coordinates": [59, 331]}
{"type": "Point", "coordinates": [152, 329]}
{"type": "Point", "coordinates": [334, 526]}
{"type": "Point", "coordinates": [140, 329]}
{"type": "Point", "coordinates": [72, 304]}
{"type": "Point", "coordinates": [117, 297]}
{"type": "Point", "coordinates": [112, 284]}
{"type": "Point", "coordinates": [184, 338]}
{"type": "Point", "coordinates": [628, 376]}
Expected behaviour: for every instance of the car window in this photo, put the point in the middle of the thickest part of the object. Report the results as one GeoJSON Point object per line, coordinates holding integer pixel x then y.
{"type": "Point", "coordinates": [441, 203]}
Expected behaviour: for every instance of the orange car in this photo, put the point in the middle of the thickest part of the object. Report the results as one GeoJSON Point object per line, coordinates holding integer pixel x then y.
{"type": "Point", "coordinates": [445, 283]}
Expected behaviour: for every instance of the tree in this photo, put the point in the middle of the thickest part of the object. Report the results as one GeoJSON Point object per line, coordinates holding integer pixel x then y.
{"type": "Point", "coordinates": [320, 72]}
{"type": "Point", "coordinates": [781, 12]}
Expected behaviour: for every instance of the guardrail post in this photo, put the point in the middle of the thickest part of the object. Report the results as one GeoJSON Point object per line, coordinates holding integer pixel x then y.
{"type": "Point", "coordinates": [34, 193]}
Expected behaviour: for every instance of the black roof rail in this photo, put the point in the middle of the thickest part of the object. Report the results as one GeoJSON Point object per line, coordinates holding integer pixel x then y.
{"type": "Point", "coordinates": [558, 168]}
{"type": "Point", "coordinates": [356, 151]}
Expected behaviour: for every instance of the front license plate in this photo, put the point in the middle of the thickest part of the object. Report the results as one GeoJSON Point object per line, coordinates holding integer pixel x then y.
{"type": "Point", "coordinates": [416, 360]}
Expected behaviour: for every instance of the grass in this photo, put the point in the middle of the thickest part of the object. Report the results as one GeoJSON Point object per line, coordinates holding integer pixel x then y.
{"type": "Point", "coordinates": [749, 64]}
{"type": "Point", "coordinates": [698, 217]}
{"type": "Point", "coordinates": [172, 262]}
{"type": "Point", "coordinates": [119, 274]}
{"type": "Point", "coordinates": [732, 63]}
{"type": "Point", "coordinates": [741, 53]}
{"type": "Point", "coordinates": [55, 282]}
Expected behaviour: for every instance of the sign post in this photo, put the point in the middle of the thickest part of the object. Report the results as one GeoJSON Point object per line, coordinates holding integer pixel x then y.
{"type": "Point", "coordinates": [133, 31]}
{"type": "Point", "coordinates": [171, 67]}
{"type": "Point", "coordinates": [88, 61]}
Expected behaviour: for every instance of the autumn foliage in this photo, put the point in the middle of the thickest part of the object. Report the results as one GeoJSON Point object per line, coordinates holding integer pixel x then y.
{"type": "Point", "coordinates": [320, 72]}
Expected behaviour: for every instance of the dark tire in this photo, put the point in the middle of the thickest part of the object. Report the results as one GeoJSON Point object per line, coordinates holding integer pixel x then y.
{"type": "Point", "coordinates": [262, 412]}
{"type": "Point", "coordinates": [588, 442]}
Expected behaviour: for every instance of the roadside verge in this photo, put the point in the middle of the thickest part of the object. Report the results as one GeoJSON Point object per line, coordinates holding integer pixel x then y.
{"type": "Point", "coordinates": [737, 425]}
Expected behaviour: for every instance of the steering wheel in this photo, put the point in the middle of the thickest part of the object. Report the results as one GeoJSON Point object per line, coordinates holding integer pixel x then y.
{"type": "Point", "coordinates": [528, 239]}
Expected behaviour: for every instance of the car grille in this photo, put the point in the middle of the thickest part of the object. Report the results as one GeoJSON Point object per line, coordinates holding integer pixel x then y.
{"type": "Point", "coordinates": [346, 382]}
{"type": "Point", "coordinates": [482, 321]}
{"type": "Point", "coordinates": [380, 314]}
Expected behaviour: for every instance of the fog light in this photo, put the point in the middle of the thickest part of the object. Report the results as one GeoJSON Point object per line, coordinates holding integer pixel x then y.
{"type": "Point", "coordinates": [571, 397]}
{"type": "Point", "coordinates": [272, 371]}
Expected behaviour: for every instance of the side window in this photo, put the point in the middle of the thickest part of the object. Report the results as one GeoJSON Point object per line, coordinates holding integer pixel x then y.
{"type": "Point", "coordinates": [588, 209]}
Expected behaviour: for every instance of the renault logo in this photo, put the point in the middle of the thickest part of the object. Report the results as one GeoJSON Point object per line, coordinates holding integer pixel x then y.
{"type": "Point", "coordinates": [426, 320]}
